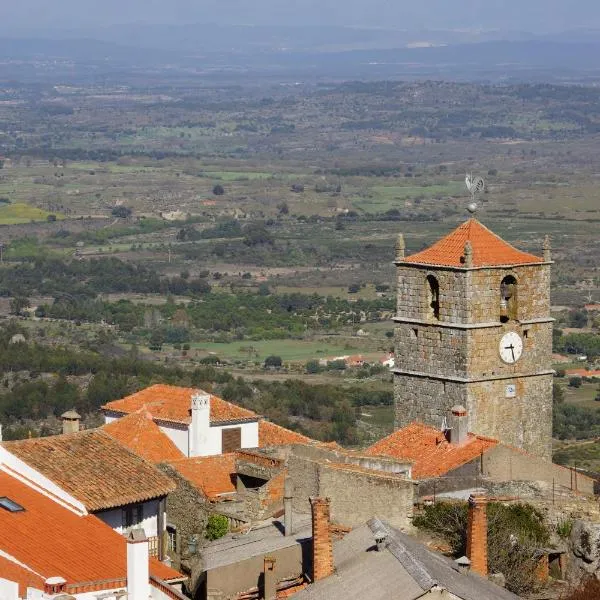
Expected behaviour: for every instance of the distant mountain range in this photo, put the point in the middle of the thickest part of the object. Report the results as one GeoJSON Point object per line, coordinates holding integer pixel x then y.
{"type": "Point", "coordinates": [321, 51]}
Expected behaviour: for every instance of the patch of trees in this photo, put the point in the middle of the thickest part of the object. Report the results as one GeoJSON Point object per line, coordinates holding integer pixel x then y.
{"type": "Point", "coordinates": [587, 344]}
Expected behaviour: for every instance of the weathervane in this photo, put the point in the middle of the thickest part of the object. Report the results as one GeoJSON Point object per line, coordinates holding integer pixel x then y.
{"type": "Point", "coordinates": [475, 186]}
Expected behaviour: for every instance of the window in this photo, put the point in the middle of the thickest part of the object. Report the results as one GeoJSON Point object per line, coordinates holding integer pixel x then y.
{"type": "Point", "coordinates": [231, 439]}
{"type": "Point", "coordinates": [433, 297]}
{"type": "Point", "coordinates": [10, 505]}
{"type": "Point", "coordinates": [171, 539]}
{"type": "Point", "coordinates": [133, 515]}
{"type": "Point", "coordinates": [508, 299]}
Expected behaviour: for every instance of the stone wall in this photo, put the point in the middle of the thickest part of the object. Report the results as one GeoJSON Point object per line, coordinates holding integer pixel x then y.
{"type": "Point", "coordinates": [188, 511]}
{"type": "Point", "coordinates": [507, 464]}
{"type": "Point", "coordinates": [357, 493]}
{"type": "Point", "coordinates": [455, 359]}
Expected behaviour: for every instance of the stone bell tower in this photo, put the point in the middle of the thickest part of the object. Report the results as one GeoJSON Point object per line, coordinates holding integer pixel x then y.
{"type": "Point", "coordinates": [473, 328]}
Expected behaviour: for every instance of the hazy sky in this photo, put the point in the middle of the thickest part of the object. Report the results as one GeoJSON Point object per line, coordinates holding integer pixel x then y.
{"type": "Point", "coordinates": [520, 15]}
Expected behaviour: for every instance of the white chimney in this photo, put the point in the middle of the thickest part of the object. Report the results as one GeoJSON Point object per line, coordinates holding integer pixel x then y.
{"type": "Point", "coordinates": [200, 425]}
{"type": "Point", "coordinates": [138, 575]}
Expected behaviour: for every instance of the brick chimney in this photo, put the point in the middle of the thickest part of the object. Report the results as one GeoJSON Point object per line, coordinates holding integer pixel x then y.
{"type": "Point", "coordinates": [200, 426]}
{"type": "Point", "coordinates": [477, 534]}
{"type": "Point", "coordinates": [322, 544]}
{"type": "Point", "coordinates": [459, 425]}
{"type": "Point", "coordinates": [138, 583]}
{"type": "Point", "coordinates": [70, 421]}
{"type": "Point", "coordinates": [270, 580]}
{"type": "Point", "coordinates": [54, 586]}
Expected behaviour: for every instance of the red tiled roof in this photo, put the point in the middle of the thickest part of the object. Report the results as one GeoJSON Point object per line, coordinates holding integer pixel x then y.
{"type": "Point", "coordinates": [143, 436]}
{"type": "Point", "coordinates": [489, 250]}
{"type": "Point", "coordinates": [53, 541]}
{"type": "Point", "coordinates": [270, 434]}
{"type": "Point", "coordinates": [94, 468]}
{"type": "Point", "coordinates": [427, 447]}
{"type": "Point", "coordinates": [21, 575]}
{"type": "Point", "coordinates": [212, 475]}
{"type": "Point", "coordinates": [172, 403]}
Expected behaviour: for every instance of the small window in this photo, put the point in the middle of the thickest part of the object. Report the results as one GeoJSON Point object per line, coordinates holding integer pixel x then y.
{"type": "Point", "coordinates": [508, 299]}
{"type": "Point", "coordinates": [414, 333]}
{"type": "Point", "coordinates": [10, 505]}
{"type": "Point", "coordinates": [133, 515]}
{"type": "Point", "coordinates": [171, 538]}
{"type": "Point", "coordinates": [433, 297]}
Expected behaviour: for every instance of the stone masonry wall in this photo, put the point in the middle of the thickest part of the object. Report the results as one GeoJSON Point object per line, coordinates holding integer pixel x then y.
{"type": "Point", "coordinates": [450, 360]}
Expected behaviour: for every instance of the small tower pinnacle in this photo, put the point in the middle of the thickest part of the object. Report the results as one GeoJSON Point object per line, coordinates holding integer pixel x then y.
{"type": "Point", "coordinates": [468, 254]}
{"type": "Point", "coordinates": [400, 247]}
{"type": "Point", "coordinates": [547, 249]}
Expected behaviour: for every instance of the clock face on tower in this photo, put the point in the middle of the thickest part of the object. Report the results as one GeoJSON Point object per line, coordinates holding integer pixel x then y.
{"type": "Point", "coordinates": [511, 347]}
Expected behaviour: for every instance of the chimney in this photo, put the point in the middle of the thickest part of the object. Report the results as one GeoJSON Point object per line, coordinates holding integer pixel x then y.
{"type": "Point", "coordinates": [477, 534]}
{"type": "Point", "coordinates": [138, 584]}
{"type": "Point", "coordinates": [70, 421]}
{"type": "Point", "coordinates": [459, 425]}
{"type": "Point", "coordinates": [54, 586]}
{"type": "Point", "coordinates": [288, 493]}
{"type": "Point", "coordinates": [468, 254]}
{"type": "Point", "coordinates": [463, 564]}
{"type": "Point", "coordinates": [269, 581]}
{"type": "Point", "coordinates": [200, 425]}
{"type": "Point", "coordinates": [322, 544]}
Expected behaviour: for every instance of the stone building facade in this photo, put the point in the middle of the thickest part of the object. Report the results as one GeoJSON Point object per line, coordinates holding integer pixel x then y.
{"type": "Point", "coordinates": [473, 328]}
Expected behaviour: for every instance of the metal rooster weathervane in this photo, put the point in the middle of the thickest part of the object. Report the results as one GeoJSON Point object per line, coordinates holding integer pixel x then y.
{"type": "Point", "coordinates": [475, 186]}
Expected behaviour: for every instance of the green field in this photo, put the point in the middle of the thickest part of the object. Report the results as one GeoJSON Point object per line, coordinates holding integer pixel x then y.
{"type": "Point", "coordinates": [288, 350]}
{"type": "Point", "coordinates": [13, 214]}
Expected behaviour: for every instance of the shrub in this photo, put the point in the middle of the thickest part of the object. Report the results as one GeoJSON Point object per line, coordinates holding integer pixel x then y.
{"type": "Point", "coordinates": [216, 527]}
{"type": "Point", "coordinates": [273, 361]}
{"type": "Point", "coordinates": [313, 366]}
{"type": "Point", "coordinates": [575, 382]}
{"type": "Point", "coordinates": [515, 533]}
{"type": "Point", "coordinates": [218, 190]}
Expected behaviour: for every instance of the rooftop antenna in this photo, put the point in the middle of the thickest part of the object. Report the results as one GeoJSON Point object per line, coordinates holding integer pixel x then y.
{"type": "Point", "coordinates": [475, 186]}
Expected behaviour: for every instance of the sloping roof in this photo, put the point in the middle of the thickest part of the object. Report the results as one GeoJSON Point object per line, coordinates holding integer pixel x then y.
{"type": "Point", "coordinates": [262, 538]}
{"type": "Point", "coordinates": [23, 576]}
{"type": "Point", "coordinates": [172, 403]}
{"type": "Point", "coordinates": [270, 434]}
{"type": "Point", "coordinates": [53, 541]}
{"type": "Point", "coordinates": [94, 468]}
{"type": "Point", "coordinates": [406, 565]}
{"type": "Point", "coordinates": [212, 475]}
{"type": "Point", "coordinates": [143, 436]}
{"type": "Point", "coordinates": [427, 447]}
{"type": "Point", "coordinates": [489, 250]}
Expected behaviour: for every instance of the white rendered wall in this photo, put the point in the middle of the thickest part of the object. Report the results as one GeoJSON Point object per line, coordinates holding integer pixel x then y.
{"type": "Point", "coordinates": [249, 438]}
{"type": "Point", "coordinates": [9, 590]}
{"type": "Point", "coordinates": [178, 436]}
{"type": "Point", "coordinates": [114, 519]}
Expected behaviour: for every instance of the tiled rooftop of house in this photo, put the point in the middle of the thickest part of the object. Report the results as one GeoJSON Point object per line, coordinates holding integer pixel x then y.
{"type": "Point", "coordinates": [172, 403]}
{"type": "Point", "coordinates": [213, 475]}
{"type": "Point", "coordinates": [489, 250]}
{"type": "Point", "coordinates": [428, 448]}
{"type": "Point", "coordinates": [270, 434]}
{"type": "Point", "coordinates": [94, 468]}
{"type": "Point", "coordinates": [49, 540]}
{"type": "Point", "coordinates": [143, 436]}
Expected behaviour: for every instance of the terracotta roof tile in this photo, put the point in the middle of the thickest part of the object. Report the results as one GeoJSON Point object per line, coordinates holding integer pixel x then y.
{"type": "Point", "coordinates": [94, 468]}
{"type": "Point", "coordinates": [427, 447]}
{"type": "Point", "coordinates": [172, 403]}
{"type": "Point", "coordinates": [270, 434]}
{"type": "Point", "coordinates": [143, 436]}
{"type": "Point", "coordinates": [488, 249]}
{"type": "Point", "coordinates": [53, 541]}
{"type": "Point", "coordinates": [212, 475]}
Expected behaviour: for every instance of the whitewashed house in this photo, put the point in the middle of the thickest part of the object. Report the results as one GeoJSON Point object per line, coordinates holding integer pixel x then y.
{"type": "Point", "coordinates": [198, 423]}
